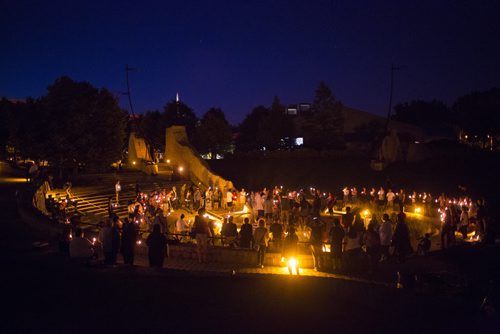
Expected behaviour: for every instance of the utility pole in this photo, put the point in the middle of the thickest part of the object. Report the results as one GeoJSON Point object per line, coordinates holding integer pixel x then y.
{"type": "Point", "coordinates": [128, 69]}
{"type": "Point", "coordinates": [393, 68]}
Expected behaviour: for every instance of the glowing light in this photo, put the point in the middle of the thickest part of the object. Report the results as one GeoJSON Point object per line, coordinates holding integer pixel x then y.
{"type": "Point", "coordinates": [168, 161]}
{"type": "Point", "coordinates": [133, 162]}
{"type": "Point", "coordinates": [139, 242]}
{"type": "Point", "coordinates": [94, 240]}
{"type": "Point", "coordinates": [418, 210]}
{"type": "Point", "coordinates": [181, 169]}
{"type": "Point", "coordinates": [12, 180]}
{"type": "Point", "coordinates": [366, 213]}
{"type": "Point", "coordinates": [293, 263]}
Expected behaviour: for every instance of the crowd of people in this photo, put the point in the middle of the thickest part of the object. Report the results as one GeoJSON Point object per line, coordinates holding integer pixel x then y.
{"type": "Point", "coordinates": [280, 220]}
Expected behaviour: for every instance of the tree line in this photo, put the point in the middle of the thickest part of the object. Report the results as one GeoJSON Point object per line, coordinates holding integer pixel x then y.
{"type": "Point", "coordinates": [76, 124]}
{"type": "Point", "coordinates": [476, 114]}
{"type": "Point", "coordinates": [264, 127]}
{"type": "Point", "coordinates": [72, 125]}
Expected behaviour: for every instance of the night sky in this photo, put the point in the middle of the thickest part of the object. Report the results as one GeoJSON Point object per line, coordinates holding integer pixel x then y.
{"type": "Point", "coordinates": [239, 54]}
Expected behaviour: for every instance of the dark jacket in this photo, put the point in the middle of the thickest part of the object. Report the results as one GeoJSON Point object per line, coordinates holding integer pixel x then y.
{"type": "Point", "coordinates": [156, 243]}
{"type": "Point", "coordinates": [129, 238]}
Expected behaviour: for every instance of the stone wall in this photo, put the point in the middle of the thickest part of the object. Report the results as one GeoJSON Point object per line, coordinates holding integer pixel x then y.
{"type": "Point", "coordinates": [245, 257]}
{"type": "Point", "coordinates": [139, 154]}
{"type": "Point", "coordinates": [180, 153]}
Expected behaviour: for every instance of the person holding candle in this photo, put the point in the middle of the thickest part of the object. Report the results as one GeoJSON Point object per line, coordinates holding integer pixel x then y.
{"type": "Point", "coordinates": [81, 248]}
{"type": "Point", "coordinates": [118, 188]}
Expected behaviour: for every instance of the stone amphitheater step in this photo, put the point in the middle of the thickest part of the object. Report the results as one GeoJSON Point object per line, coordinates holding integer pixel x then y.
{"type": "Point", "coordinates": [94, 206]}
{"type": "Point", "coordinates": [92, 200]}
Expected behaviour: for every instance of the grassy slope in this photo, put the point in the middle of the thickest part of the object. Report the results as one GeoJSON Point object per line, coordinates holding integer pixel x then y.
{"type": "Point", "coordinates": [449, 168]}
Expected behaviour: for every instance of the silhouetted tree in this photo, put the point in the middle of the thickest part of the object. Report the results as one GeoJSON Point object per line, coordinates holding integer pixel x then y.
{"type": "Point", "coordinates": [214, 132]}
{"type": "Point", "coordinates": [73, 124]}
{"type": "Point", "coordinates": [248, 129]}
{"type": "Point", "coordinates": [152, 126]}
{"type": "Point", "coordinates": [5, 110]}
{"type": "Point", "coordinates": [275, 126]}
{"type": "Point", "coordinates": [478, 113]}
{"type": "Point", "coordinates": [432, 116]}
{"type": "Point", "coordinates": [323, 127]}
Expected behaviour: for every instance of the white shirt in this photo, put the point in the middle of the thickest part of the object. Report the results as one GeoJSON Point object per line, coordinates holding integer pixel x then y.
{"type": "Point", "coordinates": [229, 196]}
{"type": "Point", "coordinates": [181, 226]}
{"type": "Point", "coordinates": [381, 194]}
{"type": "Point", "coordinates": [390, 196]}
{"type": "Point", "coordinates": [385, 233]}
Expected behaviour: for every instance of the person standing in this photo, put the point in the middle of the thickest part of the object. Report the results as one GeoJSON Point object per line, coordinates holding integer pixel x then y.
{"type": "Point", "coordinates": [330, 203]}
{"type": "Point", "coordinates": [157, 243]}
{"type": "Point", "coordinates": [464, 222]}
{"type": "Point", "coordinates": [352, 250]}
{"type": "Point", "coordinates": [201, 232]}
{"type": "Point", "coordinates": [111, 210]}
{"type": "Point", "coordinates": [345, 192]}
{"type": "Point", "coordinates": [285, 208]}
{"type": "Point", "coordinates": [385, 235]}
{"type": "Point", "coordinates": [277, 233]}
{"type": "Point", "coordinates": [229, 200]}
{"type": "Point", "coordinates": [316, 242]}
{"type": "Point", "coordinates": [246, 234]}
{"type": "Point", "coordinates": [181, 227]}
{"type": "Point", "coordinates": [316, 207]}
{"type": "Point", "coordinates": [259, 204]}
{"type": "Point", "coordinates": [391, 196]}
{"type": "Point", "coordinates": [290, 250]}
{"type": "Point", "coordinates": [381, 199]}
{"type": "Point", "coordinates": [261, 239]}
{"type": "Point", "coordinates": [80, 248]}
{"type": "Point", "coordinates": [109, 238]}
{"type": "Point", "coordinates": [268, 209]}
{"type": "Point", "coordinates": [347, 219]}
{"type": "Point", "coordinates": [337, 235]}
{"type": "Point", "coordinates": [242, 198]}
{"type": "Point", "coordinates": [197, 199]}
{"type": "Point", "coordinates": [401, 199]}
{"type": "Point", "coordinates": [372, 242]}
{"type": "Point", "coordinates": [401, 239]}
{"type": "Point", "coordinates": [230, 232]}
{"type": "Point", "coordinates": [129, 239]}
{"type": "Point", "coordinates": [118, 188]}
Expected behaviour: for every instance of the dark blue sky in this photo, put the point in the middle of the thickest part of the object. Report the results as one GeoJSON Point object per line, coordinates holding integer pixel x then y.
{"type": "Point", "coordinates": [239, 54]}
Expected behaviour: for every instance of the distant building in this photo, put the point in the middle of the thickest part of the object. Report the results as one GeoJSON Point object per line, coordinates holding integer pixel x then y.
{"type": "Point", "coordinates": [354, 119]}
{"type": "Point", "coordinates": [297, 109]}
